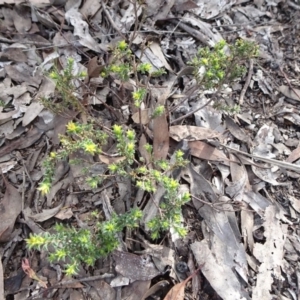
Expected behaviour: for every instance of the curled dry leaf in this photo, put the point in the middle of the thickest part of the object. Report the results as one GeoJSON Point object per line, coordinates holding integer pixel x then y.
{"type": "Point", "coordinates": [29, 272]}
{"type": "Point", "coordinates": [155, 288]}
{"type": "Point", "coordinates": [46, 214]}
{"type": "Point", "coordinates": [177, 291]}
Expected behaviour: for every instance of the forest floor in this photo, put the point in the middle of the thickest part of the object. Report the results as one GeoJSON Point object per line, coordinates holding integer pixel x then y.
{"type": "Point", "coordinates": [240, 143]}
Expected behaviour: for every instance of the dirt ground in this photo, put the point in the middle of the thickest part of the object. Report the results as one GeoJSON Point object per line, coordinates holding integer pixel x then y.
{"type": "Point", "coordinates": [241, 143]}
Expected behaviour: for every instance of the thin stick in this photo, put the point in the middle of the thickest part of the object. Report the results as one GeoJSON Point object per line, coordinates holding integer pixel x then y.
{"type": "Point", "coordinates": [250, 72]}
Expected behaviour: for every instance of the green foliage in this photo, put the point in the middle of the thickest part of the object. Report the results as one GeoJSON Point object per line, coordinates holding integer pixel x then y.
{"type": "Point", "coordinates": [75, 246]}
{"type": "Point", "coordinates": [138, 96]}
{"type": "Point", "coordinates": [86, 245]}
{"type": "Point", "coordinates": [158, 111]}
{"type": "Point", "coordinates": [222, 64]}
{"type": "Point", "coordinates": [123, 65]}
{"type": "Point", "coordinates": [65, 87]}
{"type": "Point", "coordinates": [78, 137]}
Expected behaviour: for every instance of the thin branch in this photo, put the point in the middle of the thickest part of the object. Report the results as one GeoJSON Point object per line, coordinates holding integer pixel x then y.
{"type": "Point", "coordinates": [250, 72]}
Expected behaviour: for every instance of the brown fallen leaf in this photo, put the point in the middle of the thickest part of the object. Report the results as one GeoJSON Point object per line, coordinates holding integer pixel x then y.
{"type": "Point", "coordinates": [93, 68]}
{"type": "Point", "coordinates": [13, 54]}
{"type": "Point", "coordinates": [29, 272]}
{"type": "Point", "coordinates": [155, 288]}
{"type": "Point", "coordinates": [294, 155]}
{"type": "Point", "coordinates": [237, 131]}
{"type": "Point", "coordinates": [64, 214]}
{"type": "Point", "coordinates": [207, 152]}
{"type": "Point", "coordinates": [27, 140]}
{"type": "Point", "coordinates": [193, 133]}
{"type": "Point", "coordinates": [46, 214]}
{"type": "Point", "coordinates": [10, 208]}
{"type": "Point", "coordinates": [33, 110]}
{"type": "Point", "coordinates": [160, 138]}
{"type": "Point", "coordinates": [22, 73]}
{"type": "Point", "coordinates": [177, 291]}
{"type": "Point", "coordinates": [22, 18]}
{"type": "Point", "coordinates": [143, 119]}
{"type": "Point", "coordinates": [136, 289]}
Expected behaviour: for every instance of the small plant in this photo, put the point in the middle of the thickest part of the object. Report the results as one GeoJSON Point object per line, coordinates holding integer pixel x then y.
{"type": "Point", "coordinates": [222, 64]}
{"type": "Point", "coordinates": [66, 89]}
{"type": "Point", "coordinates": [149, 179]}
{"type": "Point", "coordinates": [75, 246]}
{"type": "Point", "coordinates": [88, 245]}
{"type": "Point", "coordinates": [83, 137]}
{"type": "Point", "coordinates": [123, 65]}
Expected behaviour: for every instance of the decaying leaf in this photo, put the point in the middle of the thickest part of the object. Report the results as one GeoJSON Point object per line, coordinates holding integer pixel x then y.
{"type": "Point", "coordinates": [270, 254]}
{"type": "Point", "coordinates": [294, 155]}
{"type": "Point", "coordinates": [209, 9]}
{"type": "Point", "coordinates": [30, 138]}
{"type": "Point", "coordinates": [64, 214]}
{"type": "Point", "coordinates": [290, 93]}
{"type": "Point", "coordinates": [177, 291]}
{"type": "Point", "coordinates": [81, 29]}
{"type": "Point", "coordinates": [110, 159]}
{"type": "Point", "coordinates": [6, 166]}
{"type": "Point", "coordinates": [134, 267]}
{"type": "Point", "coordinates": [154, 288]}
{"type": "Point", "coordinates": [136, 290]}
{"type": "Point", "coordinates": [27, 269]}
{"type": "Point", "coordinates": [156, 50]}
{"type": "Point", "coordinates": [193, 133]}
{"type": "Point", "coordinates": [10, 208]}
{"type": "Point", "coordinates": [141, 117]}
{"type": "Point", "coordinates": [236, 131]}
{"type": "Point", "coordinates": [32, 112]}
{"type": "Point", "coordinates": [220, 276]}
{"type": "Point", "coordinates": [46, 214]}
{"type": "Point", "coordinates": [204, 151]}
